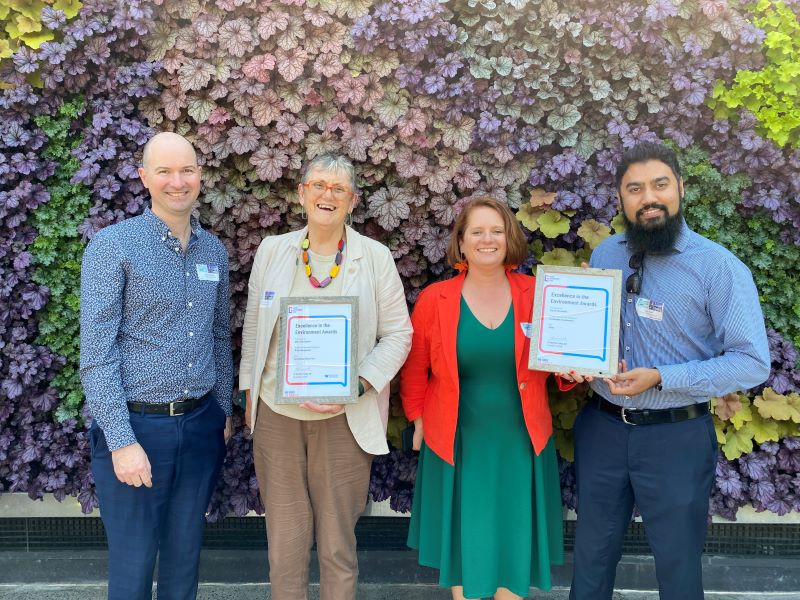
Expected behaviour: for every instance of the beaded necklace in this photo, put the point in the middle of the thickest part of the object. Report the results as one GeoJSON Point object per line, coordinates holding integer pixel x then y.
{"type": "Point", "coordinates": [334, 269]}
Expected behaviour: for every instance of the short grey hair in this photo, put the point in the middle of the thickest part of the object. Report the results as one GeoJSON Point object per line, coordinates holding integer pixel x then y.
{"type": "Point", "coordinates": [330, 161]}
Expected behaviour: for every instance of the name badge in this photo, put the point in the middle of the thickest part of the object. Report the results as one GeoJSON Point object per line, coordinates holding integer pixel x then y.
{"type": "Point", "coordinates": [527, 329]}
{"type": "Point", "coordinates": [267, 298]}
{"type": "Point", "coordinates": [208, 272]}
{"type": "Point", "coordinates": [647, 309]}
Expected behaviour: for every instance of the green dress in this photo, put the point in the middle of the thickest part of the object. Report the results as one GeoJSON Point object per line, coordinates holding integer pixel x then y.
{"type": "Point", "coordinates": [494, 519]}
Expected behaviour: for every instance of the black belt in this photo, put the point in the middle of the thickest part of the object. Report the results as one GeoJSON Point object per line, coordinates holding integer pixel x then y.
{"type": "Point", "coordinates": [173, 409]}
{"type": "Point", "coordinates": [651, 416]}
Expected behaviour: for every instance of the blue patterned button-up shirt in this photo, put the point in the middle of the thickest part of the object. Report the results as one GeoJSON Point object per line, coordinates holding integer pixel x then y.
{"type": "Point", "coordinates": [697, 319]}
{"type": "Point", "coordinates": [155, 321]}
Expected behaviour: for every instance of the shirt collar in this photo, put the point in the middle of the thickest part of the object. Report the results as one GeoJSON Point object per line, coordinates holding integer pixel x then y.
{"type": "Point", "coordinates": [681, 242]}
{"type": "Point", "coordinates": [161, 229]}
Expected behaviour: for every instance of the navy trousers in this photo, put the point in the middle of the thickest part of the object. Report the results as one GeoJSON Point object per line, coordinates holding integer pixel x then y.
{"type": "Point", "coordinates": [667, 470]}
{"type": "Point", "coordinates": [186, 454]}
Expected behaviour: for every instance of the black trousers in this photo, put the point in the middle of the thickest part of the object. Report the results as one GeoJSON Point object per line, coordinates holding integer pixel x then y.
{"type": "Point", "coordinates": [667, 470]}
{"type": "Point", "coordinates": [168, 519]}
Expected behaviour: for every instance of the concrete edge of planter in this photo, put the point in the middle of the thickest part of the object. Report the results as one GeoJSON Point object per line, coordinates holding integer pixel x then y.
{"type": "Point", "coordinates": [18, 505]}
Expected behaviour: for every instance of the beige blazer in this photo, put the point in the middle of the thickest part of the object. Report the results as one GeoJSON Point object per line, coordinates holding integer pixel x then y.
{"type": "Point", "coordinates": [384, 328]}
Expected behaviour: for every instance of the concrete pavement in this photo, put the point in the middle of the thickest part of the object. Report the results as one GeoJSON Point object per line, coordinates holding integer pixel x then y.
{"type": "Point", "coordinates": [368, 591]}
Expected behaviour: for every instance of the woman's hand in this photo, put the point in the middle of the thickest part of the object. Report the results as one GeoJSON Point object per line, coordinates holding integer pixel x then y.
{"type": "Point", "coordinates": [573, 376]}
{"type": "Point", "coordinates": [248, 406]}
{"type": "Point", "coordinates": [416, 443]}
{"type": "Point", "coordinates": [325, 409]}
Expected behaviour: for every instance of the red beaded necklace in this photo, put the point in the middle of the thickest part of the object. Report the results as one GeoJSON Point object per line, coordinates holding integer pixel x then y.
{"type": "Point", "coordinates": [334, 270]}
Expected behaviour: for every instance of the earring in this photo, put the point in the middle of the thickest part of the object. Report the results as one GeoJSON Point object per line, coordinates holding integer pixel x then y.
{"type": "Point", "coordinates": [350, 219]}
{"type": "Point", "coordinates": [303, 211]}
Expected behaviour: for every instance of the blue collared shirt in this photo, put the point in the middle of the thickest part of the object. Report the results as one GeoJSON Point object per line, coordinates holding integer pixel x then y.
{"type": "Point", "coordinates": [155, 321]}
{"type": "Point", "coordinates": [696, 319]}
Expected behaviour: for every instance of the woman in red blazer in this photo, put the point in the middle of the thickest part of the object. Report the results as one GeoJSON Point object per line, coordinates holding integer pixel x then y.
{"type": "Point", "coordinates": [487, 503]}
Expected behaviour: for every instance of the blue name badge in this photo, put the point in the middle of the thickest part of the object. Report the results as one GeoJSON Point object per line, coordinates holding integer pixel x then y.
{"type": "Point", "coordinates": [208, 272]}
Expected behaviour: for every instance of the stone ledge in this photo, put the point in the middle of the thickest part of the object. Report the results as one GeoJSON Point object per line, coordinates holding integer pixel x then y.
{"type": "Point", "coordinates": [18, 505]}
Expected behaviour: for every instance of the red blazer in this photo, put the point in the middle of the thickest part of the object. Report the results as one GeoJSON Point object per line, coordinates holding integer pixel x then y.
{"type": "Point", "coordinates": [429, 378]}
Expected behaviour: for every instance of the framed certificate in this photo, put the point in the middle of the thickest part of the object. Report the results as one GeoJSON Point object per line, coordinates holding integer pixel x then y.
{"type": "Point", "coordinates": [575, 322]}
{"type": "Point", "coordinates": [317, 350]}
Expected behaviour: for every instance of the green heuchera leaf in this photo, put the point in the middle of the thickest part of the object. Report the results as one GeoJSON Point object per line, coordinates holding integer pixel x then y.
{"type": "Point", "coordinates": [529, 216]}
{"type": "Point", "coordinates": [502, 65]}
{"type": "Point", "coordinates": [481, 68]}
{"type": "Point", "coordinates": [561, 257]}
{"type": "Point", "coordinates": [553, 223]}
{"type": "Point", "coordinates": [764, 430]}
{"type": "Point", "coordinates": [160, 40]}
{"type": "Point", "coordinates": [618, 223]}
{"type": "Point", "coordinates": [593, 232]}
{"type": "Point", "coordinates": [743, 416]}
{"type": "Point", "coordinates": [394, 430]}
{"type": "Point", "coordinates": [564, 117]}
{"type": "Point", "coordinates": [200, 109]}
{"type": "Point", "coordinates": [772, 405]}
{"type": "Point", "coordinates": [737, 442]}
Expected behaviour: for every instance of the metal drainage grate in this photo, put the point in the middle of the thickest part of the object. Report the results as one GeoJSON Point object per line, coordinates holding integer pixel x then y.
{"type": "Point", "coordinates": [380, 533]}
{"type": "Point", "coordinates": [723, 539]}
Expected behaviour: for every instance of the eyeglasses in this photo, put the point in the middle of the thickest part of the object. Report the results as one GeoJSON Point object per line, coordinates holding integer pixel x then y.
{"type": "Point", "coordinates": [633, 284]}
{"type": "Point", "coordinates": [317, 188]}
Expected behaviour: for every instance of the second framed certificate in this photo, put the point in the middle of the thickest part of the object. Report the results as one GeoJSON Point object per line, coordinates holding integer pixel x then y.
{"type": "Point", "coordinates": [317, 350]}
{"type": "Point", "coordinates": [575, 322]}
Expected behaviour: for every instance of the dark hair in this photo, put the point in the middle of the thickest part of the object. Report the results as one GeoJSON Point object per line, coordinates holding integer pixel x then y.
{"type": "Point", "coordinates": [644, 151]}
{"type": "Point", "coordinates": [516, 244]}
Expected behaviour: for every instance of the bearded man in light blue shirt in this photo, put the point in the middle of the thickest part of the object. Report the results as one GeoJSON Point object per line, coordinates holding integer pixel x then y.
{"type": "Point", "coordinates": [691, 328]}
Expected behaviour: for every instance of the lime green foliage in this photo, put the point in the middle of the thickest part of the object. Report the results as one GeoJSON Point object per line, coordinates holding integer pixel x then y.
{"type": "Point", "coordinates": [20, 22]}
{"type": "Point", "coordinates": [57, 253]}
{"type": "Point", "coordinates": [773, 93]}
{"type": "Point", "coordinates": [551, 223]}
{"type": "Point", "coordinates": [593, 232]}
{"type": "Point", "coordinates": [740, 421]}
{"type": "Point", "coordinates": [710, 209]}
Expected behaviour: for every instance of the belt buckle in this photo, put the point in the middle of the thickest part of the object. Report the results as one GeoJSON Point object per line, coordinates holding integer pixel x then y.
{"type": "Point", "coordinates": [172, 412]}
{"type": "Point", "coordinates": [624, 418]}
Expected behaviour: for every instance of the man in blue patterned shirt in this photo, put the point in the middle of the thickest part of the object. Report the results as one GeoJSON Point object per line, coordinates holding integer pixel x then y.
{"type": "Point", "coordinates": [691, 328]}
{"type": "Point", "coordinates": [158, 373]}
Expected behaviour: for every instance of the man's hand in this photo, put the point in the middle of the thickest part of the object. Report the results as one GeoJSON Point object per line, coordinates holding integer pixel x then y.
{"type": "Point", "coordinates": [131, 465]}
{"type": "Point", "coordinates": [228, 429]}
{"type": "Point", "coordinates": [631, 383]}
{"type": "Point", "coordinates": [416, 444]}
{"type": "Point", "coordinates": [325, 409]}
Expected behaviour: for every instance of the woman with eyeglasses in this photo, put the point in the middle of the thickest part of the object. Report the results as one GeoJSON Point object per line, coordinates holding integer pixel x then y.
{"type": "Point", "coordinates": [313, 460]}
{"type": "Point", "coordinates": [487, 501]}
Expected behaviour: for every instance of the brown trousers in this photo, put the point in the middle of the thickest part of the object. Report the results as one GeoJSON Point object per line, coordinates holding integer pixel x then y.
{"type": "Point", "coordinates": [314, 480]}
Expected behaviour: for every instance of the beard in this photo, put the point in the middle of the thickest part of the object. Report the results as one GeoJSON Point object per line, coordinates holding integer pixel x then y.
{"type": "Point", "coordinates": [654, 238]}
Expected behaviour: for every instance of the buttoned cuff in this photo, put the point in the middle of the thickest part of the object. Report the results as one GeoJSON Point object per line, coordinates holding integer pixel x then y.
{"type": "Point", "coordinates": [119, 436]}
{"type": "Point", "coordinates": [674, 378]}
